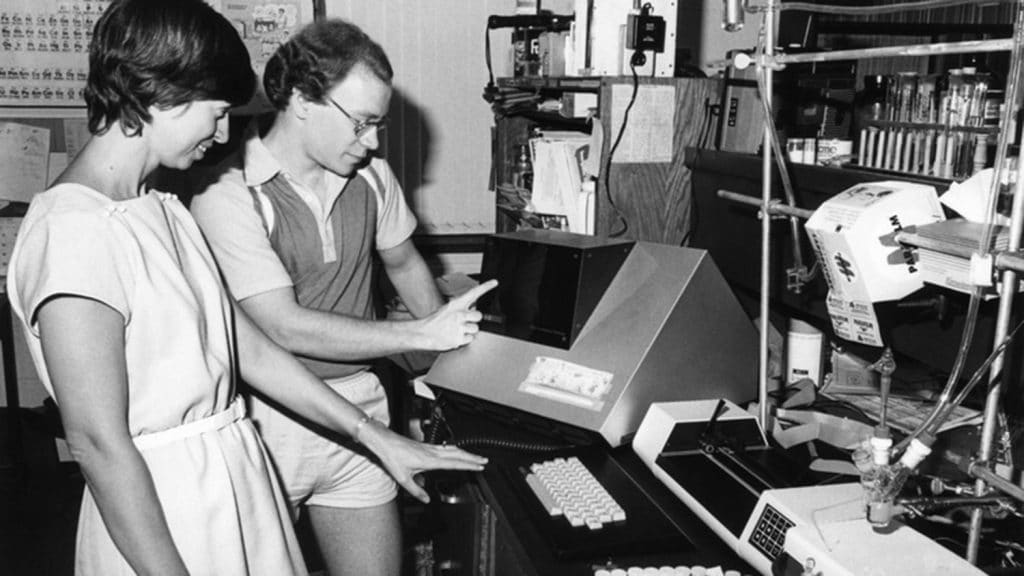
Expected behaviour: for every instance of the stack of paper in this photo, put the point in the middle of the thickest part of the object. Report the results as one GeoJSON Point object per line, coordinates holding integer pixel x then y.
{"type": "Point", "coordinates": [953, 271]}
{"type": "Point", "coordinates": [560, 185]}
{"type": "Point", "coordinates": [24, 154]}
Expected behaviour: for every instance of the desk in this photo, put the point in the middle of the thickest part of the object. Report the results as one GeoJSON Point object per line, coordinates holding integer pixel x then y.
{"type": "Point", "coordinates": [485, 530]}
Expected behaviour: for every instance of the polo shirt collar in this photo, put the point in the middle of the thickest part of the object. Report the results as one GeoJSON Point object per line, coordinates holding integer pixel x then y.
{"type": "Point", "coordinates": [260, 166]}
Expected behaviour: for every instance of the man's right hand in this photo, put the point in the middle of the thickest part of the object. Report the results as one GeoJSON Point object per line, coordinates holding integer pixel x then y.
{"type": "Point", "coordinates": [456, 323]}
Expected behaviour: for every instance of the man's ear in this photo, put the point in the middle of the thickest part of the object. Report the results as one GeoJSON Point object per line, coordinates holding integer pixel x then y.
{"type": "Point", "coordinates": [299, 105]}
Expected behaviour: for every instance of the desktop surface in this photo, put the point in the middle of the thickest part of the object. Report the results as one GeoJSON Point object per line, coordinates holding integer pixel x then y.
{"type": "Point", "coordinates": [658, 531]}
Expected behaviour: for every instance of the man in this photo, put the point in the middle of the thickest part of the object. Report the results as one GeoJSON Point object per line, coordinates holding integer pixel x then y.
{"type": "Point", "coordinates": [294, 220]}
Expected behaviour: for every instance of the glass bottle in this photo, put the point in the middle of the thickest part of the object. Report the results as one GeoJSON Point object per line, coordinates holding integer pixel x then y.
{"type": "Point", "coordinates": [868, 106]}
{"type": "Point", "coordinates": [523, 174]}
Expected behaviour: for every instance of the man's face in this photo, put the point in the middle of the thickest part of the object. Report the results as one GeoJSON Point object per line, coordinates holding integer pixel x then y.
{"type": "Point", "coordinates": [332, 138]}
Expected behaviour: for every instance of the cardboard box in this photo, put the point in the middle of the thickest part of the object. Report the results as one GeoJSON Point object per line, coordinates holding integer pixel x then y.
{"type": "Point", "coordinates": [853, 234]}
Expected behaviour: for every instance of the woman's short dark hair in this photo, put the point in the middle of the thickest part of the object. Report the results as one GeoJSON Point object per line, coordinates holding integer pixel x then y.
{"type": "Point", "coordinates": [162, 53]}
{"type": "Point", "coordinates": [319, 56]}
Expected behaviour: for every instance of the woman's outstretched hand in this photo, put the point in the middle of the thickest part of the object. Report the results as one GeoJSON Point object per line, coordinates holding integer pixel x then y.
{"type": "Point", "coordinates": [404, 458]}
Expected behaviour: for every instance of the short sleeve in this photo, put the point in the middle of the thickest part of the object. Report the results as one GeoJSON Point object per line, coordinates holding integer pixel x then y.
{"type": "Point", "coordinates": [83, 253]}
{"type": "Point", "coordinates": [395, 221]}
{"type": "Point", "coordinates": [226, 214]}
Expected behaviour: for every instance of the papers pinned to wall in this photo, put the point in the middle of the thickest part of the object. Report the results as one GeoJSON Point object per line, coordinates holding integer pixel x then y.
{"type": "Point", "coordinates": [650, 125]}
{"type": "Point", "coordinates": [24, 159]}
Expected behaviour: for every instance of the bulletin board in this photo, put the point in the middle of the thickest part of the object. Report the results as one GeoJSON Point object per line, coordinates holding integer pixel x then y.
{"type": "Point", "coordinates": [44, 44]}
{"type": "Point", "coordinates": [44, 48]}
{"type": "Point", "coordinates": [35, 146]}
{"type": "Point", "coordinates": [266, 24]}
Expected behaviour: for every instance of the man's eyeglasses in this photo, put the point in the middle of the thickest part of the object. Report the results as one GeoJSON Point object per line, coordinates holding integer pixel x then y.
{"type": "Point", "coordinates": [361, 127]}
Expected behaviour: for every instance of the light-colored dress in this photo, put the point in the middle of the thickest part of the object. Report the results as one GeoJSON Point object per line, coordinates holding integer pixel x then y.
{"type": "Point", "coordinates": [146, 259]}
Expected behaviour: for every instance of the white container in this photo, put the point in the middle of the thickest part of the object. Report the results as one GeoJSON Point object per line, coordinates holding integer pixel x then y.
{"type": "Point", "coordinates": [804, 353]}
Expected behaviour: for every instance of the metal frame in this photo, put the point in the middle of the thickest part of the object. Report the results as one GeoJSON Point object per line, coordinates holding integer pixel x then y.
{"type": "Point", "coordinates": [1010, 263]}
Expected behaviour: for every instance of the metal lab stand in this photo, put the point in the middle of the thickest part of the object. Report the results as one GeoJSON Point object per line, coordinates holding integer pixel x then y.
{"type": "Point", "coordinates": [1009, 264]}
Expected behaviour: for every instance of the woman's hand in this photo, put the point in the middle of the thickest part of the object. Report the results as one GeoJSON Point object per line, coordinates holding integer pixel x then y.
{"type": "Point", "coordinates": [404, 458]}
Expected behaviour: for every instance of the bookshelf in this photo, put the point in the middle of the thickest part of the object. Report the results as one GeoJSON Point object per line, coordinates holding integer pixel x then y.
{"type": "Point", "coordinates": [641, 194]}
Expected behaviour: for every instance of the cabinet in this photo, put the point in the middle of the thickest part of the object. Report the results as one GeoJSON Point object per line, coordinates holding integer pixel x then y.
{"type": "Point", "coordinates": [645, 198]}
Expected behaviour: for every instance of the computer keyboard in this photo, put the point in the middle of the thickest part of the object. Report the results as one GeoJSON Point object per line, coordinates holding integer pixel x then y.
{"type": "Point", "coordinates": [641, 527]}
{"type": "Point", "coordinates": [665, 571]}
{"type": "Point", "coordinates": [567, 488]}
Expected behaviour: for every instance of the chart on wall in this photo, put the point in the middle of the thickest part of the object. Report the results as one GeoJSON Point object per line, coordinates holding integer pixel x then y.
{"type": "Point", "coordinates": [44, 46]}
{"type": "Point", "coordinates": [265, 24]}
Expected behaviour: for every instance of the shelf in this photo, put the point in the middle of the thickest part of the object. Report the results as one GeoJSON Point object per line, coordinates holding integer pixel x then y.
{"type": "Point", "coordinates": [913, 29]}
{"type": "Point", "coordinates": [574, 84]}
{"type": "Point", "coordinates": [929, 126]}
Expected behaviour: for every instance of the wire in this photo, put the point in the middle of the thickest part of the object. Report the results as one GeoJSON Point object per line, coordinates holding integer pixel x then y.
{"type": "Point", "coordinates": [707, 126]}
{"type": "Point", "coordinates": [506, 444]}
{"type": "Point", "coordinates": [439, 420]}
{"type": "Point", "coordinates": [966, 337]}
{"type": "Point", "coordinates": [487, 57]}
{"type": "Point", "coordinates": [611, 151]}
{"type": "Point", "coordinates": [975, 378]}
{"type": "Point", "coordinates": [940, 412]}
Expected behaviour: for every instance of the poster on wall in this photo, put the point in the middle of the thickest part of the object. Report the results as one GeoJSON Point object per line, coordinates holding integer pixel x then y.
{"type": "Point", "coordinates": [264, 25]}
{"type": "Point", "coordinates": [44, 48]}
{"type": "Point", "coordinates": [44, 44]}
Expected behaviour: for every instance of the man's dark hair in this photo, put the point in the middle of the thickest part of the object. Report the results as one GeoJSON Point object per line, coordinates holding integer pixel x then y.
{"type": "Point", "coordinates": [162, 53]}
{"type": "Point", "coordinates": [319, 56]}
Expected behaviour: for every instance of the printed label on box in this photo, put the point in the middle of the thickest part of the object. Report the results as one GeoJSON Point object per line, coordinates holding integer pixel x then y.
{"type": "Point", "coordinates": [854, 321]}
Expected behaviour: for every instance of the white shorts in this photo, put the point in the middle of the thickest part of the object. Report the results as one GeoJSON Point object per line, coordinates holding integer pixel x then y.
{"type": "Point", "coordinates": [326, 470]}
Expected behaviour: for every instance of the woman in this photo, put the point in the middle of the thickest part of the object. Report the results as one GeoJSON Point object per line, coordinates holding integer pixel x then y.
{"type": "Point", "coordinates": [134, 335]}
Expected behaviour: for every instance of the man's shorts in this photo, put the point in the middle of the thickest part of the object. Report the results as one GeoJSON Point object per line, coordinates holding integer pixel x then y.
{"type": "Point", "coordinates": [327, 470]}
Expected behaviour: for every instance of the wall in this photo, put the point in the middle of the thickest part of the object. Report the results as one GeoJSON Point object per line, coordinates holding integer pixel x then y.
{"type": "Point", "coordinates": [439, 139]}
{"type": "Point", "coordinates": [715, 42]}
{"type": "Point", "coordinates": [439, 135]}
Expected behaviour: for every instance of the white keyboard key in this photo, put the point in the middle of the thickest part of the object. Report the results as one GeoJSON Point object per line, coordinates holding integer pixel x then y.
{"type": "Point", "coordinates": [566, 487]}
{"type": "Point", "coordinates": [546, 498]}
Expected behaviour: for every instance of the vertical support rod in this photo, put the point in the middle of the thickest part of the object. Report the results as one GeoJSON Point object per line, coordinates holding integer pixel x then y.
{"type": "Point", "coordinates": [766, 220]}
{"type": "Point", "coordinates": [1007, 292]}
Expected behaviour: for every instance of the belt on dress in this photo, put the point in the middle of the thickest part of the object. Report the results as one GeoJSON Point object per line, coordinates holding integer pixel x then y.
{"type": "Point", "coordinates": [232, 414]}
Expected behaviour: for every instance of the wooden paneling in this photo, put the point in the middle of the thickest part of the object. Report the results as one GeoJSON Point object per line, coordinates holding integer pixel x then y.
{"type": "Point", "coordinates": [655, 199]}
